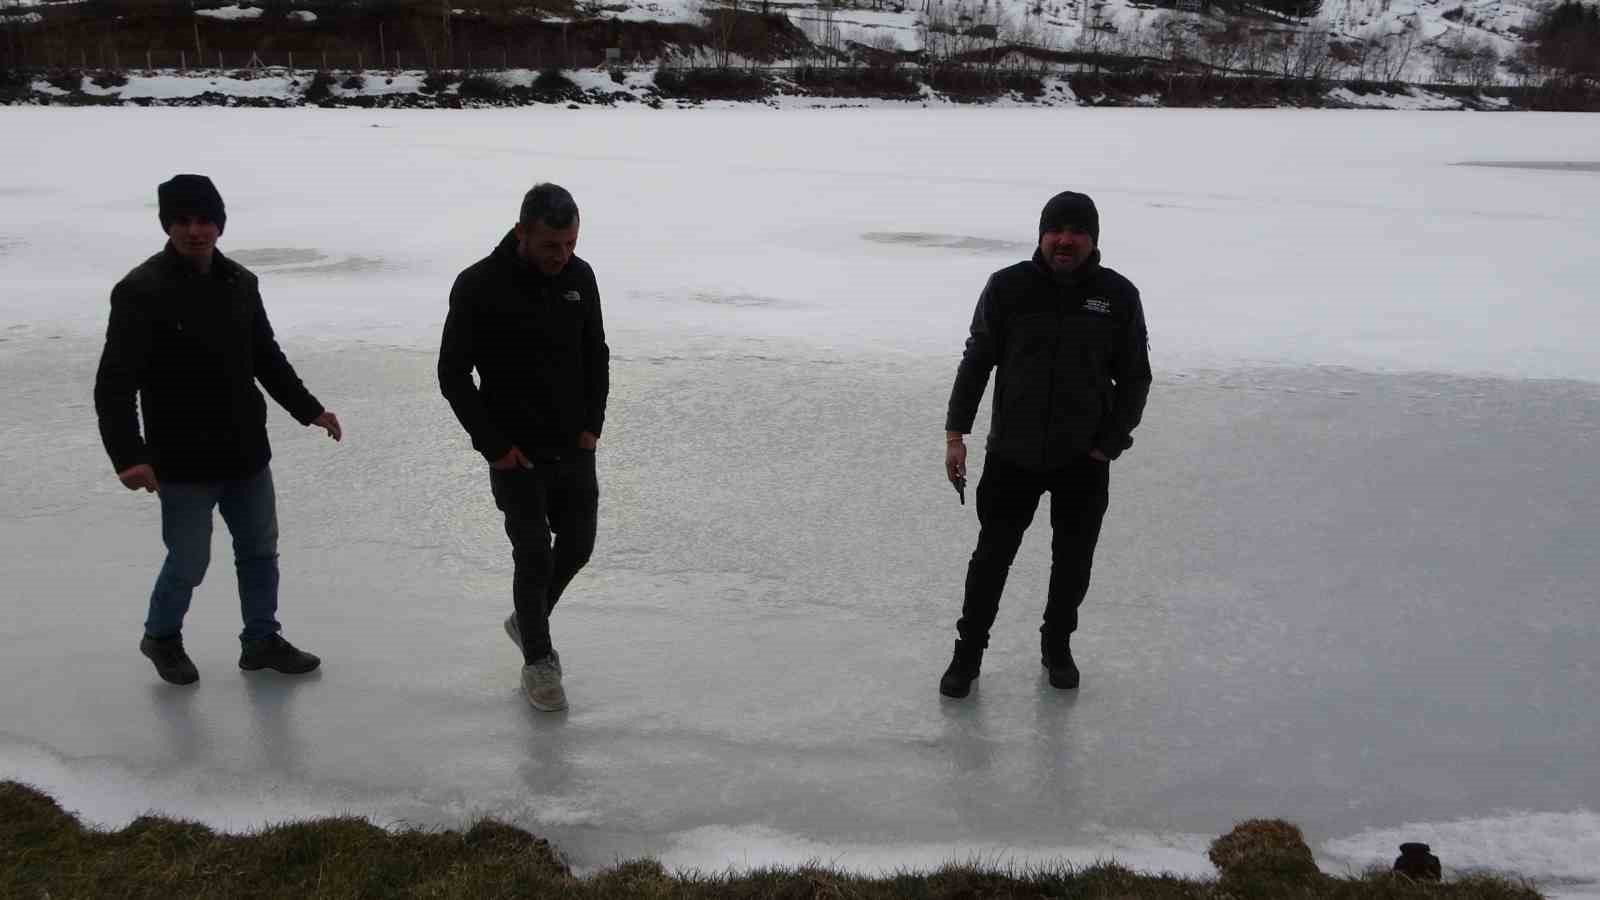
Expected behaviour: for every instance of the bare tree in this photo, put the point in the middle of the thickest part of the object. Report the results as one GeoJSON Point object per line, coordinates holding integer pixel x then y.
{"type": "Point", "coordinates": [1397, 49]}
{"type": "Point", "coordinates": [1221, 48]}
{"type": "Point", "coordinates": [1097, 34]}
{"type": "Point", "coordinates": [721, 20]}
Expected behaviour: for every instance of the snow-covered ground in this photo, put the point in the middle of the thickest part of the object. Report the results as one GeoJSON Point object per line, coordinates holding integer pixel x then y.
{"type": "Point", "coordinates": [1347, 577]}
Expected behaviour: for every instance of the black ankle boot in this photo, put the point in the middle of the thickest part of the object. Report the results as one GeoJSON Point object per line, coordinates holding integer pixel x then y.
{"type": "Point", "coordinates": [963, 670]}
{"type": "Point", "coordinates": [1055, 654]}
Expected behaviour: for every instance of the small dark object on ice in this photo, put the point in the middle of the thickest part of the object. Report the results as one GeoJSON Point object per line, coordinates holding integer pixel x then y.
{"type": "Point", "coordinates": [1416, 862]}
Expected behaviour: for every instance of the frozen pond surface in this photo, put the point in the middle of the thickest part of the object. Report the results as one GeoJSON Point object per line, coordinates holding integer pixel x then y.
{"type": "Point", "coordinates": [1347, 575]}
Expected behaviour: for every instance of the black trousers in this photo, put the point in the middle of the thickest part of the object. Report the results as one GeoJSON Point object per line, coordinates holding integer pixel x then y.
{"type": "Point", "coordinates": [1008, 496]}
{"type": "Point", "coordinates": [550, 513]}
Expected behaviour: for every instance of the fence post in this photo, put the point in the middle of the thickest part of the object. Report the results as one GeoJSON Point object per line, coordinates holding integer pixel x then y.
{"type": "Point", "coordinates": [220, 66]}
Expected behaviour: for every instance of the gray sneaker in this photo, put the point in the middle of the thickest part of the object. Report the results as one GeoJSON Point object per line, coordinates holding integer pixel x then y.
{"type": "Point", "coordinates": [541, 682]}
{"type": "Point", "coordinates": [514, 631]}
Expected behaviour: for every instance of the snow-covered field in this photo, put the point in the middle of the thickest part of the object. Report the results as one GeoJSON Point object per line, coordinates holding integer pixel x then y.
{"type": "Point", "coordinates": [1347, 577]}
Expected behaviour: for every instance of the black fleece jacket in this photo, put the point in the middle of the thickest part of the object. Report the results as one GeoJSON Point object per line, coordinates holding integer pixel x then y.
{"type": "Point", "coordinates": [191, 346]}
{"type": "Point", "coordinates": [1072, 360]}
{"type": "Point", "coordinates": [539, 347]}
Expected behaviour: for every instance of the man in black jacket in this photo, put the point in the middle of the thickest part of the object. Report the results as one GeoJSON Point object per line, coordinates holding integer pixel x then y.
{"type": "Point", "coordinates": [1066, 337]}
{"type": "Point", "coordinates": [189, 339]}
{"type": "Point", "coordinates": [527, 318]}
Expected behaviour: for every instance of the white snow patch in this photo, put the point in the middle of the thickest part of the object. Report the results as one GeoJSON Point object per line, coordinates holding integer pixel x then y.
{"type": "Point", "coordinates": [177, 87]}
{"type": "Point", "coordinates": [304, 15]}
{"type": "Point", "coordinates": [231, 12]}
{"type": "Point", "coordinates": [1564, 848]}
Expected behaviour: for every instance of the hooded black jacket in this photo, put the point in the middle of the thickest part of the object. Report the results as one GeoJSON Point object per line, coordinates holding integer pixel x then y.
{"type": "Point", "coordinates": [191, 347]}
{"type": "Point", "coordinates": [1072, 360]}
{"type": "Point", "coordinates": [539, 346]}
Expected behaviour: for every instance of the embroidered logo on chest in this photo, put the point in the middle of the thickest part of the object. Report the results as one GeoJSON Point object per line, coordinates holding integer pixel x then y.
{"type": "Point", "coordinates": [572, 296]}
{"type": "Point", "coordinates": [1098, 305]}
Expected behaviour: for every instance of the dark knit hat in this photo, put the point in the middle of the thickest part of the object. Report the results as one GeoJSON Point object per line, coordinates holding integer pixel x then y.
{"type": "Point", "coordinates": [192, 195]}
{"type": "Point", "coordinates": [1070, 208]}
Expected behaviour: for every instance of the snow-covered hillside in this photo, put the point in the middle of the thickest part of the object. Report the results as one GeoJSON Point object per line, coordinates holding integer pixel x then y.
{"type": "Point", "coordinates": [1383, 40]}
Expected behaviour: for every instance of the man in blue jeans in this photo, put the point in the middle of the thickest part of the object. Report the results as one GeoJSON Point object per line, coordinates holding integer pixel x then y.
{"type": "Point", "coordinates": [189, 339]}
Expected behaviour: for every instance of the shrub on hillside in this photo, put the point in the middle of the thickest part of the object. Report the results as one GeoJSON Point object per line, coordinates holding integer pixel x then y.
{"type": "Point", "coordinates": [481, 87]}
{"type": "Point", "coordinates": [353, 82]}
{"type": "Point", "coordinates": [712, 84]}
{"type": "Point", "coordinates": [320, 88]}
{"type": "Point", "coordinates": [66, 80]}
{"type": "Point", "coordinates": [109, 79]}
{"type": "Point", "coordinates": [551, 81]}
{"type": "Point", "coordinates": [434, 82]}
{"type": "Point", "coordinates": [1567, 38]}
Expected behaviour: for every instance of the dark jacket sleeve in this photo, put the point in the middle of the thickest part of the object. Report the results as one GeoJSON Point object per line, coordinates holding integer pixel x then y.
{"type": "Point", "coordinates": [275, 373]}
{"type": "Point", "coordinates": [597, 365]}
{"type": "Point", "coordinates": [1130, 374]}
{"type": "Point", "coordinates": [972, 375]}
{"type": "Point", "coordinates": [457, 355]}
{"type": "Point", "coordinates": [116, 384]}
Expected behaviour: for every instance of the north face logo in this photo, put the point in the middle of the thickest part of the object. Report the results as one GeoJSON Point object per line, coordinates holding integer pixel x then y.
{"type": "Point", "coordinates": [1097, 305]}
{"type": "Point", "coordinates": [572, 296]}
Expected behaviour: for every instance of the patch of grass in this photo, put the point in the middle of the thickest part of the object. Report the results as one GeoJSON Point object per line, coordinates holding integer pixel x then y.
{"type": "Point", "coordinates": [45, 852]}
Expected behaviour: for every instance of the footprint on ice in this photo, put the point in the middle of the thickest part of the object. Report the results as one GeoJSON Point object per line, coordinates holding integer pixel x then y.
{"type": "Point", "coordinates": [305, 261]}
{"type": "Point", "coordinates": [1537, 165]}
{"type": "Point", "coordinates": [944, 241]}
{"type": "Point", "coordinates": [745, 300]}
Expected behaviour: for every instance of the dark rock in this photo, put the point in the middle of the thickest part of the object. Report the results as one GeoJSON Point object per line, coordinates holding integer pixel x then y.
{"type": "Point", "coordinates": [1415, 861]}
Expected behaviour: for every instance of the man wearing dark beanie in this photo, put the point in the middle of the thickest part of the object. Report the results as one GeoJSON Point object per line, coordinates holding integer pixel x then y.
{"type": "Point", "coordinates": [187, 344]}
{"type": "Point", "coordinates": [527, 319]}
{"type": "Point", "coordinates": [1066, 339]}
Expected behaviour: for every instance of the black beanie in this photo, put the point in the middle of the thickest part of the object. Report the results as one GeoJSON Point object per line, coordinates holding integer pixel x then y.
{"type": "Point", "coordinates": [1070, 208]}
{"type": "Point", "coordinates": [191, 194]}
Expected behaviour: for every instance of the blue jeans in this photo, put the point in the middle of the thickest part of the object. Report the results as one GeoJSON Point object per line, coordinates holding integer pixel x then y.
{"type": "Point", "coordinates": [249, 508]}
